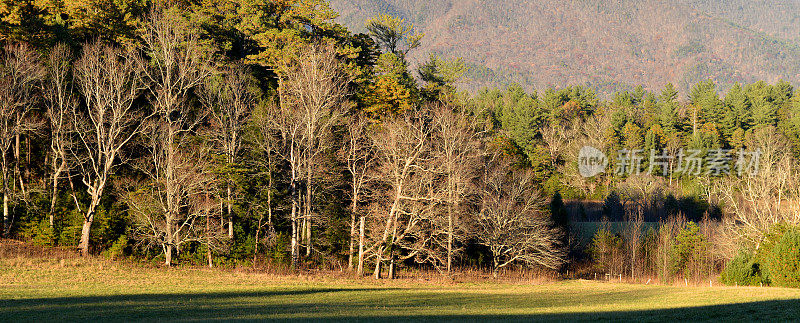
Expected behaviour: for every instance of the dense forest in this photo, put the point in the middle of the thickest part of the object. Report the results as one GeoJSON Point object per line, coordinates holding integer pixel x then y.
{"type": "Point", "coordinates": [607, 45]}
{"type": "Point", "coordinates": [265, 134]}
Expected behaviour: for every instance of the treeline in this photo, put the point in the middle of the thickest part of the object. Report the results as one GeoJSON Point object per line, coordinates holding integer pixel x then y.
{"type": "Point", "coordinates": [666, 222]}
{"type": "Point", "coordinates": [310, 152]}
{"type": "Point", "coordinates": [220, 133]}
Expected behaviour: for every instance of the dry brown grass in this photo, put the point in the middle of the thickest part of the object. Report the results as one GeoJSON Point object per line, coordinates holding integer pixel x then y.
{"type": "Point", "coordinates": [19, 254]}
{"type": "Point", "coordinates": [47, 259]}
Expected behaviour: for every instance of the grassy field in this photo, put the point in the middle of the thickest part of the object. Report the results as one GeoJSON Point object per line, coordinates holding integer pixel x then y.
{"type": "Point", "coordinates": [48, 289]}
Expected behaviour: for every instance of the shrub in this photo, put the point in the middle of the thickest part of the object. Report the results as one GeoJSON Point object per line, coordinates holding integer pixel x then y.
{"type": "Point", "coordinates": [766, 247]}
{"type": "Point", "coordinates": [278, 250]}
{"type": "Point", "coordinates": [743, 270]}
{"type": "Point", "coordinates": [784, 260]}
{"type": "Point", "coordinates": [71, 225]}
{"type": "Point", "coordinates": [117, 249]}
{"type": "Point", "coordinates": [606, 250]}
{"type": "Point", "coordinates": [40, 233]}
{"type": "Point", "coordinates": [244, 246]}
{"type": "Point", "coordinates": [689, 250]}
{"type": "Point", "coordinates": [776, 261]}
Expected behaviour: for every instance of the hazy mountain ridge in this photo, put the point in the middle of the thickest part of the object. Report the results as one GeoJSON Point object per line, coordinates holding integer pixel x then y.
{"type": "Point", "coordinates": [606, 44]}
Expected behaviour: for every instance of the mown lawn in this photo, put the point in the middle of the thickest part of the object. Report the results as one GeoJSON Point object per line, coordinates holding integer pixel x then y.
{"type": "Point", "coordinates": [43, 289]}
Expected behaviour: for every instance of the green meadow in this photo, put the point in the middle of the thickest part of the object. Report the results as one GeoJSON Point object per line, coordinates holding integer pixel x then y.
{"type": "Point", "coordinates": [46, 289]}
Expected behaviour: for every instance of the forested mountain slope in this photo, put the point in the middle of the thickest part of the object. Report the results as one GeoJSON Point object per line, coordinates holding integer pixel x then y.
{"type": "Point", "coordinates": [605, 44]}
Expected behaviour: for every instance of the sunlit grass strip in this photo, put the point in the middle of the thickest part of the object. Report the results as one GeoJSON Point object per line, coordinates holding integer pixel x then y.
{"type": "Point", "coordinates": [52, 290]}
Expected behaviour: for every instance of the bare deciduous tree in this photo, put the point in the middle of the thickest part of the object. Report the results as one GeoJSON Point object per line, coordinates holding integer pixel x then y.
{"type": "Point", "coordinates": [511, 222]}
{"type": "Point", "coordinates": [359, 160]}
{"type": "Point", "coordinates": [402, 145]}
{"type": "Point", "coordinates": [263, 139]}
{"type": "Point", "coordinates": [179, 63]}
{"type": "Point", "coordinates": [566, 144]}
{"type": "Point", "coordinates": [286, 123]}
{"type": "Point", "coordinates": [766, 194]}
{"type": "Point", "coordinates": [187, 190]}
{"type": "Point", "coordinates": [457, 151]}
{"type": "Point", "coordinates": [59, 101]}
{"type": "Point", "coordinates": [634, 225]}
{"type": "Point", "coordinates": [110, 80]}
{"type": "Point", "coordinates": [230, 100]}
{"type": "Point", "coordinates": [559, 138]}
{"type": "Point", "coordinates": [312, 92]}
{"type": "Point", "coordinates": [641, 191]}
{"type": "Point", "coordinates": [19, 76]}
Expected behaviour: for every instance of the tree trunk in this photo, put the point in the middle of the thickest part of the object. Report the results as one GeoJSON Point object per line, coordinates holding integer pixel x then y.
{"type": "Point", "coordinates": [18, 157]}
{"type": "Point", "coordinates": [168, 255]}
{"type": "Point", "coordinates": [255, 248]}
{"type": "Point", "coordinates": [449, 238]}
{"type": "Point", "coordinates": [361, 247]}
{"type": "Point", "coordinates": [378, 267]}
{"type": "Point", "coordinates": [57, 170]}
{"type": "Point", "coordinates": [28, 158]}
{"type": "Point", "coordinates": [308, 237]}
{"type": "Point", "coordinates": [53, 197]}
{"type": "Point", "coordinates": [269, 213]}
{"type": "Point", "coordinates": [208, 238]}
{"type": "Point", "coordinates": [295, 249]}
{"type": "Point", "coordinates": [221, 213]}
{"type": "Point", "coordinates": [88, 219]}
{"type": "Point", "coordinates": [6, 216]}
{"type": "Point", "coordinates": [389, 221]}
{"type": "Point", "coordinates": [169, 220]}
{"type": "Point", "coordinates": [391, 259]}
{"type": "Point", "coordinates": [308, 211]}
{"type": "Point", "coordinates": [670, 174]}
{"type": "Point", "coordinates": [83, 246]}
{"type": "Point", "coordinates": [352, 237]}
{"type": "Point", "coordinates": [230, 213]}
{"type": "Point", "coordinates": [269, 196]}
{"type": "Point", "coordinates": [392, 268]}
{"type": "Point", "coordinates": [6, 219]}
{"type": "Point", "coordinates": [495, 267]}
{"type": "Point", "coordinates": [302, 235]}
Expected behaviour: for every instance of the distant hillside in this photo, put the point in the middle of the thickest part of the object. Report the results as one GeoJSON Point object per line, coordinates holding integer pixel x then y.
{"type": "Point", "coordinates": [609, 45]}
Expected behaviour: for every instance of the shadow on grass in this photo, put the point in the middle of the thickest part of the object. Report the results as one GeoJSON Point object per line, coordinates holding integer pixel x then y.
{"type": "Point", "coordinates": [378, 304]}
